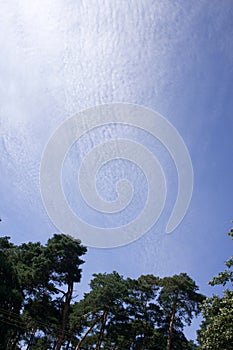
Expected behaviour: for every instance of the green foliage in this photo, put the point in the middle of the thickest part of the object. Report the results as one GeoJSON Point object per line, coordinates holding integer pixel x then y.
{"type": "Point", "coordinates": [226, 276]}
{"type": "Point", "coordinates": [36, 285]}
{"type": "Point", "coordinates": [102, 310]}
{"type": "Point", "coordinates": [217, 328]}
{"type": "Point", "coordinates": [180, 302]}
{"type": "Point", "coordinates": [216, 331]}
{"type": "Point", "coordinates": [129, 314]}
{"type": "Point", "coordinates": [179, 293]}
{"type": "Point", "coordinates": [63, 256]}
{"type": "Point", "coordinates": [11, 297]}
{"type": "Point", "coordinates": [144, 313]}
{"type": "Point", "coordinates": [37, 309]}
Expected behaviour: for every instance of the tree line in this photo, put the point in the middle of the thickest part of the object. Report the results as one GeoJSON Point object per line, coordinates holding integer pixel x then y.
{"type": "Point", "coordinates": [39, 307]}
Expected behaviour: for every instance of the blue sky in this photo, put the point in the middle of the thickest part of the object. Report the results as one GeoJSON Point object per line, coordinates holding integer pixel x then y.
{"type": "Point", "coordinates": [176, 57]}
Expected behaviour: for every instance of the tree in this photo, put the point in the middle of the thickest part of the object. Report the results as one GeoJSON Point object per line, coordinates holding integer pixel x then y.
{"type": "Point", "coordinates": [217, 328]}
{"type": "Point", "coordinates": [33, 271]}
{"type": "Point", "coordinates": [216, 331]}
{"type": "Point", "coordinates": [135, 314]}
{"type": "Point", "coordinates": [143, 312]}
{"type": "Point", "coordinates": [37, 307]}
{"type": "Point", "coordinates": [36, 289]}
{"type": "Point", "coordinates": [11, 296]}
{"type": "Point", "coordinates": [101, 308]}
{"type": "Point", "coordinates": [227, 275]}
{"type": "Point", "coordinates": [179, 301]}
{"type": "Point", "coordinates": [63, 254]}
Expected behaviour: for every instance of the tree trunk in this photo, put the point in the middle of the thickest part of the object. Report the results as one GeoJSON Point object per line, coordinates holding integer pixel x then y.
{"type": "Point", "coordinates": [101, 331]}
{"type": "Point", "coordinates": [171, 324]}
{"type": "Point", "coordinates": [87, 332]}
{"type": "Point", "coordinates": [64, 316]}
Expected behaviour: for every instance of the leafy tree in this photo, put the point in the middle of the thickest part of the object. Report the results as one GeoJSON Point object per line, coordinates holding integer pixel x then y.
{"type": "Point", "coordinates": [217, 328]}
{"type": "Point", "coordinates": [102, 308]}
{"type": "Point", "coordinates": [37, 307]}
{"type": "Point", "coordinates": [227, 275]}
{"type": "Point", "coordinates": [143, 311]}
{"type": "Point", "coordinates": [179, 301]}
{"type": "Point", "coordinates": [36, 289]}
{"type": "Point", "coordinates": [11, 296]}
{"type": "Point", "coordinates": [179, 341]}
{"type": "Point", "coordinates": [135, 314]}
{"type": "Point", "coordinates": [63, 254]}
{"type": "Point", "coordinates": [216, 331]}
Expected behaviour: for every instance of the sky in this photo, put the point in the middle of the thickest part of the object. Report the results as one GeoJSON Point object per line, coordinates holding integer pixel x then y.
{"type": "Point", "coordinates": [174, 57]}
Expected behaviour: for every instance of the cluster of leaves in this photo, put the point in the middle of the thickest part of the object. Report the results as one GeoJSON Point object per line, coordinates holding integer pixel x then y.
{"type": "Point", "coordinates": [37, 305]}
{"type": "Point", "coordinates": [216, 330]}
